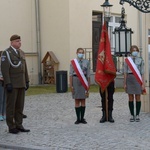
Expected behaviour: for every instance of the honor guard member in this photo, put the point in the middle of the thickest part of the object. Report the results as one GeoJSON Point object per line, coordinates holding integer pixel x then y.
{"type": "Point", "coordinates": [133, 71]}
{"type": "Point", "coordinates": [80, 83]}
{"type": "Point", "coordinates": [110, 91]}
{"type": "Point", "coordinates": [16, 81]}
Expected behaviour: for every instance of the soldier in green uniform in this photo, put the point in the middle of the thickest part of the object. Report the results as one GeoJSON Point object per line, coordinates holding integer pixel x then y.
{"type": "Point", "coordinates": [16, 81]}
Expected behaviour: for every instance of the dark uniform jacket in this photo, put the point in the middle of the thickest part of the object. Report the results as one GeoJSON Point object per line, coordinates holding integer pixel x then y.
{"type": "Point", "coordinates": [17, 76]}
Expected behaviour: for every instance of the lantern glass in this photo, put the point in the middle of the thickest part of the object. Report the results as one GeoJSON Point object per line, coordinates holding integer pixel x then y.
{"type": "Point", "coordinates": [107, 12]}
{"type": "Point", "coordinates": [128, 41]}
{"type": "Point", "coordinates": [122, 42]}
{"type": "Point", "coordinates": [117, 42]}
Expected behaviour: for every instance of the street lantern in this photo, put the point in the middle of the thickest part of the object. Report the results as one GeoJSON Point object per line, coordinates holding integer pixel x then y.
{"type": "Point", "coordinates": [107, 10]}
{"type": "Point", "coordinates": [123, 37]}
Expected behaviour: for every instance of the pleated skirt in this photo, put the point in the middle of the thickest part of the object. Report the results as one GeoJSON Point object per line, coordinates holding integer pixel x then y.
{"type": "Point", "coordinates": [133, 86]}
{"type": "Point", "coordinates": [79, 90]}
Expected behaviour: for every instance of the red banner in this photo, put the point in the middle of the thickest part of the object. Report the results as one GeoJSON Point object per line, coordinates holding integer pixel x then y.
{"type": "Point", "coordinates": [105, 68]}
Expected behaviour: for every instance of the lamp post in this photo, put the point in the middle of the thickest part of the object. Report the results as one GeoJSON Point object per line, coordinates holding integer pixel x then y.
{"type": "Point", "coordinates": [107, 11]}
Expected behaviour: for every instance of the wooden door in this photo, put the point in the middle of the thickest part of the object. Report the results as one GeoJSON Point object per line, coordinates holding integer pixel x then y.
{"type": "Point", "coordinates": [97, 27]}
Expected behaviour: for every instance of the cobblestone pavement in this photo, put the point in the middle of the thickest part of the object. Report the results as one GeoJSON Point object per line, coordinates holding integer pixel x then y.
{"type": "Point", "coordinates": [51, 120]}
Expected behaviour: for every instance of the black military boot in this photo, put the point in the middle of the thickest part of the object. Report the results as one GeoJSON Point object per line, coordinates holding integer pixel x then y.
{"type": "Point", "coordinates": [103, 119]}
{"type": "Point", "coordinates": [110, 118]}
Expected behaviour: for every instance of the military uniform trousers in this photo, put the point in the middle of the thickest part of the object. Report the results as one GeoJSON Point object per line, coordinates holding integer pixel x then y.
{"type": "Point", "coordinates": [110, 91]}
{"type": "Point", "coordinates": [14, 107]}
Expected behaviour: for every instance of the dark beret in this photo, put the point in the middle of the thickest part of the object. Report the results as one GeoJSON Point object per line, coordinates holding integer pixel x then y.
{"type": "Point", "coordinates": [14, 37]}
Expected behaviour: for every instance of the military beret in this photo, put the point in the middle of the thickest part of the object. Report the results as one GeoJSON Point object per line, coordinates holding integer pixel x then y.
{"type": "Point", "coordinates": [14, 37]}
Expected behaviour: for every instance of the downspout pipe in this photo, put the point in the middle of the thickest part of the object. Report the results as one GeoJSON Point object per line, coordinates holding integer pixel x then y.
{"type": "Point", "coordinates": [38, 39]}
{"type": "Point", "coordinates": [140, 32]}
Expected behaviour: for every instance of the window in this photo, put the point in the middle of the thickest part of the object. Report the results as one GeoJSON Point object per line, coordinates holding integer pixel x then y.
{"type": "Point", "coordinates": [97, 18]}
{"type": "Point", "coordinates": [113, 23]}
{"type": "Point", "coordinates": [117, 19]}
{"type": "Point", "coordinates": [149, 32]}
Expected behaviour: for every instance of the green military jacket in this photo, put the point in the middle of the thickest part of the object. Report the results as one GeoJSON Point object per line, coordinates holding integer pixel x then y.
{"type": "Point", "coordinates": [14, 68]}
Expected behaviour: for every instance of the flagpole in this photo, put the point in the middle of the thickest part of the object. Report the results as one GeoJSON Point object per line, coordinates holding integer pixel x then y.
{"type": "Point", "coordinates": [106, 103]}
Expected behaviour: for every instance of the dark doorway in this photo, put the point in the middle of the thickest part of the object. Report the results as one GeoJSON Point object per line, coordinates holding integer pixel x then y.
{"type": "Point", "coordinates": [96, 31]}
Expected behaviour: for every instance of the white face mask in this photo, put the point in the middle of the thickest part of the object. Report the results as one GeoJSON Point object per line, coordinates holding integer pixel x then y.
{"type": "Point", "coordinates": [80, 55]}
{"type": "Point", "coordinates": [135, 53]}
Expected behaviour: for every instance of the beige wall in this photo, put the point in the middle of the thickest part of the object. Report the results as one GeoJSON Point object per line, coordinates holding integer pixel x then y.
{"type": "Point", "coordinates": [54, 16]}
{"type": "Point", "coordinates": [65, 26]}
{"type": "Point", "coordinates": [80, 19]}
{"type": "Point", "coordinates": [18, 17]}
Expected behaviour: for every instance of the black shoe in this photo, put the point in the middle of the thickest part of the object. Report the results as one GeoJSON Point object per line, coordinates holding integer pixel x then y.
{"type": "Point", "coordinates": [77, 122]}
{"type": "Point", "coordinates": [13, 131]}
{"type": "Point", "coordinates": [23, 130]}
{"type": "Point", "coordinates": [103, 119]}
{"type": "Point", "coordinates": [137, 119]}
{"type": "Point", "coordinates": [110, 118]}
{"type": "Point", "coordinates": [24, 116]}
{"type": "Point", "coordinates": [83, 121]}
{"type": "Point", "coordinates": [132, 119]}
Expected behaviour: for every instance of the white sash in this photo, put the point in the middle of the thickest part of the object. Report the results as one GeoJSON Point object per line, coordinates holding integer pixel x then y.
{"type": "Point", "coordinates": [80, 73]}
{"type": "Point", "coordinates": [135, 71]}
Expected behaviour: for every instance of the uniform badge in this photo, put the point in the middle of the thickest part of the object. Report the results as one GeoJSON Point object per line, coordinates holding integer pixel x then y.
{"type": "Point", "coordinates": [3, 58]}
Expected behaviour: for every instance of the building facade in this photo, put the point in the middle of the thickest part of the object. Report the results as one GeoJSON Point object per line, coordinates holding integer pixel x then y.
{"type": "Point", "coordinates": [63, 26]}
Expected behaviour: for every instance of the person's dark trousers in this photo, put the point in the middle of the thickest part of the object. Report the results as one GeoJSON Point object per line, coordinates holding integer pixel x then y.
{"type": "Point", "coordinates": [14, 107]}
{"type": "Point", "coordinates": [2, 99]}
{"type": "Point", "coordinates": [110, 90]}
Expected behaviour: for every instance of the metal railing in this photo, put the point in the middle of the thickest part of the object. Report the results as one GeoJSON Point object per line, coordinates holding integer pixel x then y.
{"type": "Point", "coordinates": [88, 56]}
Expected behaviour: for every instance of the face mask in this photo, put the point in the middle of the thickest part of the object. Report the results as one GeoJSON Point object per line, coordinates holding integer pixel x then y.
{"type": "Point", "coordinates": [80, 55]}
{"type": "Point", "coordinates": [135, 53]}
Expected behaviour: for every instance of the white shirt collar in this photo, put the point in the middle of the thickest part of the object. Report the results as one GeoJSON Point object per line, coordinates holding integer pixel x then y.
{"type": "Point", "coordinates": [14, 49]}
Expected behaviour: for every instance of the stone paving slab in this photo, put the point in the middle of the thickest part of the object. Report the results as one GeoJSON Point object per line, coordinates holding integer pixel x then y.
{"type": "Point", "coordinates": [51, 120]}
